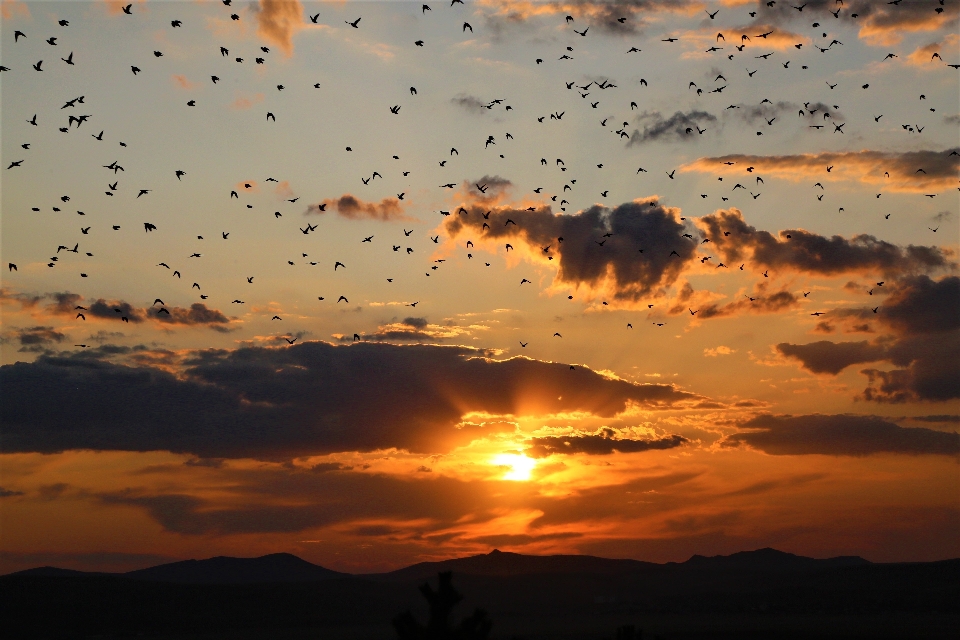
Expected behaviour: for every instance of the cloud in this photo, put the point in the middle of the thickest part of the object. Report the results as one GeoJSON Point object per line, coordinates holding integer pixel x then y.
{"type": "Point", "coordinates": [602, 16]}
{"type": "Point", "coordinates": [805, 252]}
{"type": "Point", "coordinates": [311, 398]}
{"type": "Point", "coordinates": [197, 314]}
{"type": "Point", "coordinates": [182, 82]}
{"type": "Point", "coordinates": [924, 316]}
{"type": "Point", "coordinates": [602, 443]}
{"type": "Point", "coordinates": [678, 127]}
{"type": "Point", "coordinates": [920, 304]}
{"type": "Point", "coordinates": [718, 351]}
{"type": "Point", "coordinates": [319, 500]}
{"type": "Point", "coordinates": [923, 56]}
{"type": "Point", "coordinates": [495, 189]}
{"type": "Point", "coordinates": [885, 24]}
{"type": "Point", "coordinates": [116, 309]}
{"type": "Point", "coordinates": [38, 336]}
{"type": "Point", "coordinates": [278, 21]}
{"type": "Point", "coordinates": [909, 171]}
{"type": "Point", "coordinates": [765, 111]}
{"type": "Point", "coordinates": [10, 9]}
{"type": "Point", "coordinates": [244, 102]}
{"type": "Point", "coordinates": [760, 302]}
{"type": "Point", "coordinates": [776, 38]}
{"type": "Point", "coordinates": [832, 357]}
{"type": "Point", "coordinates": [471, 103]}
{"type": "Point", "coordinates": [880, 23]}
{"type": "Point", "coordinates": [839, 435]}
{"type": "Point", "coordinates": [412, 330]}
{"type": "Point", "coordinates": [634, 262]}
{"type": "Point", "coordinates": [351, 207]}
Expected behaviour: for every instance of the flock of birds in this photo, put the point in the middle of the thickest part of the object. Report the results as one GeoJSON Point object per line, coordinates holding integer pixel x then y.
{"type": "Point", "coordinates": [822, 116]}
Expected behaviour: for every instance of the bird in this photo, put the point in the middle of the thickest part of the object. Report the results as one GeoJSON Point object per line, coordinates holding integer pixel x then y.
{"type": "Point", "coordinates": [355, 24]}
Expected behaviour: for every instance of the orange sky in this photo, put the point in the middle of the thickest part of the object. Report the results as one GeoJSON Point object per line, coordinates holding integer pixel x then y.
{"type": "Point", "coordinates": [635, 304]}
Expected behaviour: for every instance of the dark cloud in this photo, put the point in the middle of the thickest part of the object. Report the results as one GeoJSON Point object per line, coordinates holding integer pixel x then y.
{"type": "Point", "coordinates": [762, 302]}
{"type": "Point", "coordinates": [803, 251]}
{"type": "Point", "coordinates": [765, 111]}
{"type": "Point", "coordinates": [832, 357]}
{"type": "Point", "coordinates": [33, 336]}
{"type": "Point", "coordinates": [416, 323]}
{"type": "Point", "coordinates": [494, 188]}
{"type": "Point", "coordinates": [839, 435]}
{"type": "Point", "coordinates": [603, 443]}
{"type": "Point", "coordinates": [69, 304]}
{"type": "Point", "coordinates": [9, 493]}
{"type": "Point", "coordinates": [753, 114]}
{"type": "Point", "coordinates": [312, 398]}
{"type": "Point", "coordinates": [924, 317]}
{"type": "Point", "coordinates": [116, 310]}
{"type": "Point", "coordinates": [920, 304]}
{"type": "Point", "coordinates": [602, 16]}
{"type": "Point", "coordinates": [617, 267]}
{"type": "Point", "coordinates": [471, 103]}
{"type": "Point", "coordinates": [353, 208]}
{"type": "Point", "coordinates": [197, 314]}
{"type": "Point", "coordinates": [679, 126]}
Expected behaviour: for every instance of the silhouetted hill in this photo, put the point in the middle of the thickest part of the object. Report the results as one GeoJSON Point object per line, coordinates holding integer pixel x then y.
{"type": "Point", "coordinates": [769, 560]}
{"type": "Point", "coordinates": [751, 595]}
{"type": "Point", "coordinates": [57, 573]}
{"type": "Point", "coordinates": [503, 563]}
{"type": "Point", "coordinates": [276, 567]}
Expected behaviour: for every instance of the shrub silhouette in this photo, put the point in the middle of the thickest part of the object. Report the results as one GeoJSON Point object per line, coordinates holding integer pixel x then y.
{"type": "Point", "coordinates": [442, 601]}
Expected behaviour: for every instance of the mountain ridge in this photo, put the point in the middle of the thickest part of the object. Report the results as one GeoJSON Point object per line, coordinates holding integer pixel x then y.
{"type": "Point", "coordinates": [286, 567]}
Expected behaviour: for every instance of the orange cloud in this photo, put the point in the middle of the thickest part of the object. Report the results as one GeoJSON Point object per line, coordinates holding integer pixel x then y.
{"type": "Point", "coordinates": [923, 56]}
{"type": "Point", "coordinates": [909, 172]}
{"type": "Point", "coordinates": [278, 21]}
{"type": "Point", "coordinates": [776, 38]}
{"type": "Point", "coordinates": [885, 25]}
{"type": "Point", "coordinates": [243, 102]}
{"type": "Point", "coordinates": [12, 8]}
{"type": "Point", "coordinates": [351, 207]}
{"type": "Point", "coordinates": [115, 7]}
{"type": "Point", "coordinates": [182, 82]}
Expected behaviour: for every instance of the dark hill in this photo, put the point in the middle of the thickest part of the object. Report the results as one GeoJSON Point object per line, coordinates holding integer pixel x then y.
{"type": "Point", "coordinates": [502, 563]}
{"type": "Point", "coordinates": [276, 567]}
{"type": "Point", "coordinates": [769, 560]}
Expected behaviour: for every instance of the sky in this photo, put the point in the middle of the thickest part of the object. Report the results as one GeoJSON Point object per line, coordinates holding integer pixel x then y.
{"type": "Point", "coordinates": [376, 283]}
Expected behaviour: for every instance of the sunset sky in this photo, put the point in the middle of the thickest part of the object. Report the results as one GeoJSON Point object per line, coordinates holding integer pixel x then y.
{"type": "Point", "coordinates": [641, 279]}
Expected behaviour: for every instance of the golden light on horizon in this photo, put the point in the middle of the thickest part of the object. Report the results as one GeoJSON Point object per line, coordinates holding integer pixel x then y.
{"type": "Point", "coordinates": [520, 466]}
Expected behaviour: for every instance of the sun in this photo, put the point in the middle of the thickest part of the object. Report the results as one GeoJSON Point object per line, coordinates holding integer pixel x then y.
{"type": "Point", "coordinates": [520, 465]}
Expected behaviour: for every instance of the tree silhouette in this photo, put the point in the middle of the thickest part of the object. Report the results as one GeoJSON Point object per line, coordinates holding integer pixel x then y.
{"type": "Point", "coordinates": [442, 601]}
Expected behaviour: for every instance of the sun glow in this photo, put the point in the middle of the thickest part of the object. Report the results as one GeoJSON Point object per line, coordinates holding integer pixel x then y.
{"type": "Point", "coordinates": [519, 465]}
